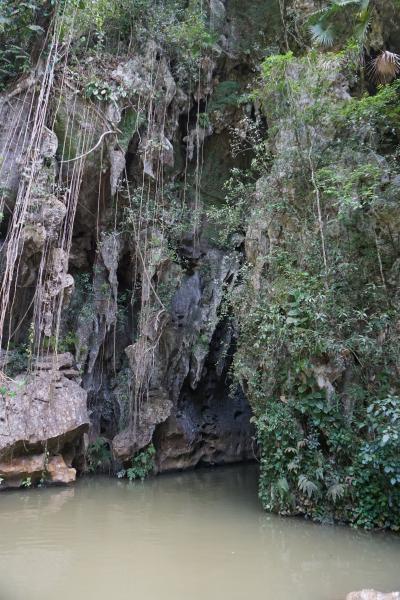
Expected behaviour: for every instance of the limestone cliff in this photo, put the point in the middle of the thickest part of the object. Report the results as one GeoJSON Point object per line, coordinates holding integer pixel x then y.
{"type": "Point", "coordinates": [108, 256]}
{"type": "Point", "coordinates": [199, 224]}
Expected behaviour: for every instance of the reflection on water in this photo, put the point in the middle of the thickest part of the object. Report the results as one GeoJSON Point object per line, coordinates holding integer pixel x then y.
{"type": "Point", "coordinates": [198, 535]}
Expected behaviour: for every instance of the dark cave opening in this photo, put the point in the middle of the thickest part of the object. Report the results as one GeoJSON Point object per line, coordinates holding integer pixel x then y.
{"type": "Point", "coordinates": [211, 424]}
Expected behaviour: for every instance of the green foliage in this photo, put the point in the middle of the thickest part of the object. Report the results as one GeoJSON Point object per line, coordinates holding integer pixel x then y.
{"type": "Point", "coordinates": [317, 305]}
{"type": "Point", "coordinates": [190, 34]}
{"type": "Point", "coordinates": [340, 20]}
{"type": "Point", "coordinates": [97, 90]}
{"type": "Point", "coordinates": [163, 207]}
{"type": "Point", "coordinates": [18, 358]}
{"type": "Point", "coordinates": [380, 111]}
{"type": "Point", "coordinates": [98, 455]}
{"type": "Point", "coordinates": [68, 342]}
{"type": "Point", "coordinates": [227, 218]}
{"type": "Point", "coordinates": [376, 474]}
{"type": "Point", "coordinates": [315, 462]}
{"type": "Point", "coordinates": [142, 465]}
{"type": "Point", "coordinates": [82, 306]}
{"type": "Point", "coordinates": [225, 94]}
{"type": "Point", "coordinates": [203, 120]}
{"type": "Point", "coordinates": [179, 27]}
{"type": "Point", "coordinates": [65, 343]}
{"type": "Point", "coordinates": [5, 392]}
{"type": "Point", "coordinates": [130, 123]}
{"type": "Point", "coordinates": [274, 67]}
{"type": "Point", "coordinates": [19, 30]}
{"type": "Point", "coordinates": [233, 211]}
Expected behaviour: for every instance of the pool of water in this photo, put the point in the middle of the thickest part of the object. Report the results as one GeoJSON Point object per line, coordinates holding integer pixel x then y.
{"type": "Point", "coordinates": [191, 536]}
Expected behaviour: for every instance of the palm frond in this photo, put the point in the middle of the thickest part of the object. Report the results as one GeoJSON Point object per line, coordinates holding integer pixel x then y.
{"type": "Point", "coordinates": [321, 34]}
{"type": "Point", "coordinates": [363, 25]}
{"type": "Point", "coordinates": [385, 67]}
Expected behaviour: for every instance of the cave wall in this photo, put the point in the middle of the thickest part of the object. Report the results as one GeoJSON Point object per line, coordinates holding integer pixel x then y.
{"type": "Point", "coordinates": [135, 305]}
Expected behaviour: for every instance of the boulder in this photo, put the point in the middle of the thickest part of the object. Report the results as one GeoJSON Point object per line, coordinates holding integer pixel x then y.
{"type": "Point", "coordinates": [58, 472]}
{"type": "Point", "coordinates": [50, 362]}
{"type": "Point", "coordinates": [43, 410]}
{"type": "Point", "coordinates": [155, 410]}
{"type": "Point", "coordinates": [17, 470]}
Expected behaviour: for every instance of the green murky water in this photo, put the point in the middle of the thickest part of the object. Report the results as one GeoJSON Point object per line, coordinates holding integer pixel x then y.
{"type": "Point", "coordinates": [197, 535]}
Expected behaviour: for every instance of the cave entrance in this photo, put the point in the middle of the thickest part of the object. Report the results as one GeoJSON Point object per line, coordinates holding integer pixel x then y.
{"type": "Point", "coordinates": [211, 424]}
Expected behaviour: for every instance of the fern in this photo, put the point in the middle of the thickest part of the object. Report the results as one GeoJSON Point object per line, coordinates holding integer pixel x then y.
{"type": "Point", "coordinates": [283, 485]}
{"type": "Point", "coordinates": [336, 492]}
{"type": "Point", "coordinates": [306, 486]}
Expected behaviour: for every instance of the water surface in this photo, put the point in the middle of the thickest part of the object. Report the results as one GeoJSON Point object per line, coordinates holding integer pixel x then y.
{"type": "Point", "coordinates": [200, 535]}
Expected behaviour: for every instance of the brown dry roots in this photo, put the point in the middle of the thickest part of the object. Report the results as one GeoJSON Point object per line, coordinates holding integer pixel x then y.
{"type": "Point", "coordinates": [385, 67]}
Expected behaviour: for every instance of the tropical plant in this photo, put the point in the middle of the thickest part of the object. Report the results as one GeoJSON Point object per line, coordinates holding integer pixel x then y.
{"type": "Point", "coordinates": [142, 465]}
{"type": "Point", "coordinates": [21, 26]}
{"type": "Point", "coordinates": [341, 19]}
{"type": "Point", "coordinates": [385, 67]}
{"type": "Point", "coordinates": [345, 19]}
{"type": "Point", "coordinates": [317, 349]}
{"type": "Point", "coordinates": [98, 455]}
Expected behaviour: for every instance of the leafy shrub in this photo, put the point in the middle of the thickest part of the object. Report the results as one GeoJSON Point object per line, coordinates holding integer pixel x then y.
{"type": "Point", "coordinates": [19, 30]}
{"type": "Point", "coordinates": [98, 455]}
{"type": "Point", "coordinates": [376, 474]}
{"type": "Point", "coordinates": [97, 90]}
{"type": "Point", "coordinates": [180, 28]}
{"type": "Point", "coordinates": [142, 465]}
{"type": "Point", "coordinates": [317, 306]}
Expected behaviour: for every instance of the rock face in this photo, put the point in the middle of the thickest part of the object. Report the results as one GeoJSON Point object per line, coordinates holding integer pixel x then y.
{"type": "Point", "coordinates": [188, 411]}
{"type": "Point", "coordinates": [29, 470]}
{"type": "Point", "coordinates": [138, 435]}
{"type": "Point", "coordinates": [42, 414]}
{"type": "Point", "coordinates": [373, 595]}
{"type": "Point", "coordinates": [119, 261]}
{"type": "Point", "coordinates": [15, 471]}
{"type": "Point", "coordinates": [45, 408]}
{"type": "Point", "coordinates": [59, 472]}
{"type": "Point", "coordinates": [208, 430]}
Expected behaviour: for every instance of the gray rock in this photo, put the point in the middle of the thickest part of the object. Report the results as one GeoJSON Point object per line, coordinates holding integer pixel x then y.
{"type": "Point", "coordinates": [43, 410]}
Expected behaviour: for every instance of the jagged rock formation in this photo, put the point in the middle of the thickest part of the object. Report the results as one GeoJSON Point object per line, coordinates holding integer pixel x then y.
{"type": "Point", "coordinates": [196, 247]}
{"type": "Point", "coordinates": [136, 298]}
